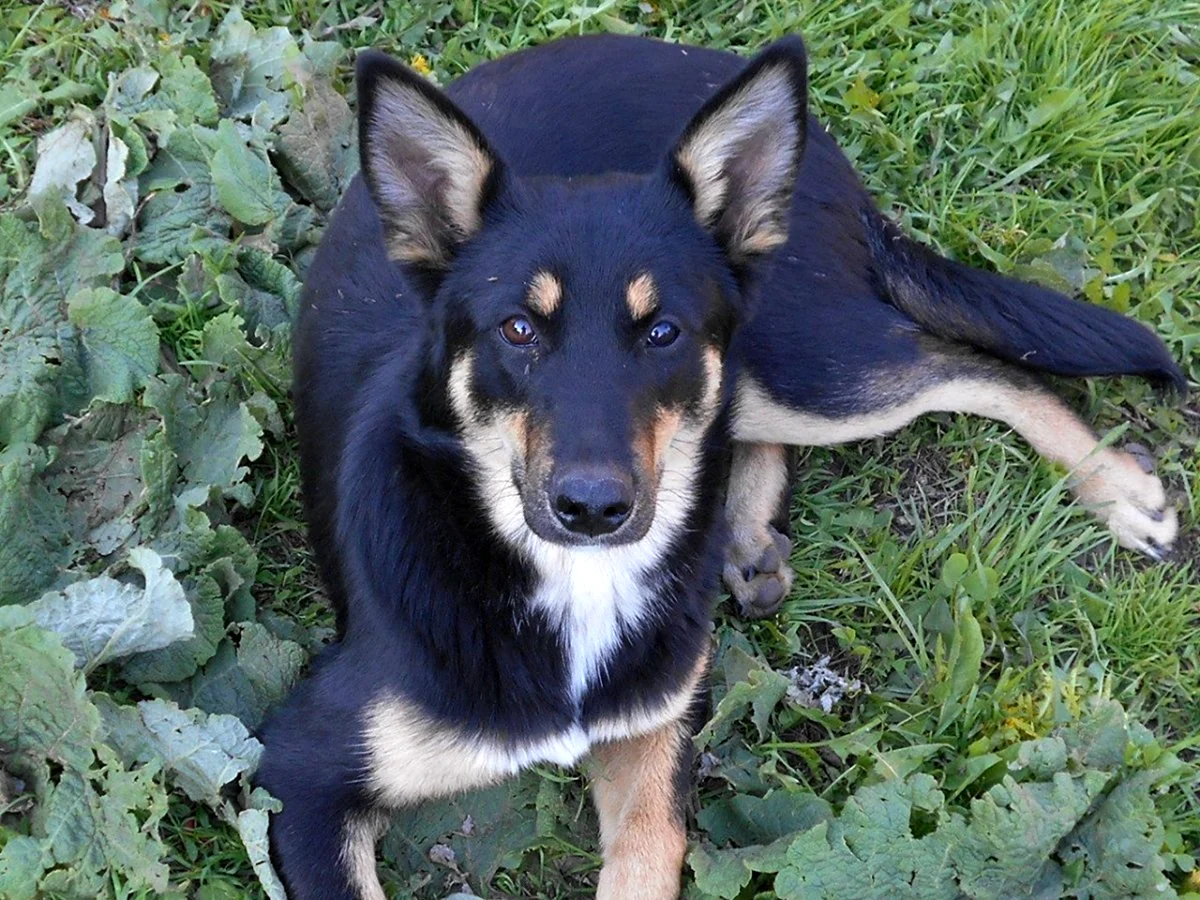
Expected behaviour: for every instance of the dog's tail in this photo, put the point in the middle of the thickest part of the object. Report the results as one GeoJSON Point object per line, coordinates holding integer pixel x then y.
{"type": "Point", "coordinates": [1023, 323]}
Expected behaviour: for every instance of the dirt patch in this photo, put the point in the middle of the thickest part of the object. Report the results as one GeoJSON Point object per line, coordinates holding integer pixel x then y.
{"type": "Point", "coordinates": [928, 477]}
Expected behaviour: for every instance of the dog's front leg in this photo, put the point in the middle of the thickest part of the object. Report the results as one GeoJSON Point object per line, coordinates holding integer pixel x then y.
{"type": "Point", "coordinates": [323, 840]}
{"type": "Point", "coordinates": [341, 755]}
{"type": "Point", "coordinates": [758, 508]}
{"type": "Point", "coordinates": [640, 789]}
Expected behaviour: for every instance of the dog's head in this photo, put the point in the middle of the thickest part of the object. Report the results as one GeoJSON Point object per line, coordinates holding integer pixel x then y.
{"type": "Point", "coordinates": [580, 327]}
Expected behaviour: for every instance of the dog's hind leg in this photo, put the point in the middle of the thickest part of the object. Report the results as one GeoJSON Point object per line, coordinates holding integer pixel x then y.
{"type": "Point", "coordinates": [942, 377]}
{"type": "Point", "coordinates": [757, 509]}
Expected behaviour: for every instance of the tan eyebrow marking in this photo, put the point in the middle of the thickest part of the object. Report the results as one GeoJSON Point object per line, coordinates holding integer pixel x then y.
{"type": "Point", "coordinates": [641, 296]}
{"type": "Point", "coordinates": [545, 294]}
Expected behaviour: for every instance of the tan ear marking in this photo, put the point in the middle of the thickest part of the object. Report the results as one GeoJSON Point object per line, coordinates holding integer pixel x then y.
{"type": "Point", "coordinates": [740, 160]}
{"type": "Point", "coordinates": [545, 294]}
{"type": "Point", "coordinates": [430, 173]}
{"type": "Point", "coordinates": [641, 296]}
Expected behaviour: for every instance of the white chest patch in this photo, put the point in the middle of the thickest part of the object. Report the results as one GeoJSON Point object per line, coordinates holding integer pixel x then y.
{"type": "Point", "coordinates": [590, 595]}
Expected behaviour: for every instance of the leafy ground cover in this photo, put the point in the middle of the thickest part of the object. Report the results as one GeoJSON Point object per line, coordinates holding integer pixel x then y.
{"type": "Point", "coordinates": [969, 692]}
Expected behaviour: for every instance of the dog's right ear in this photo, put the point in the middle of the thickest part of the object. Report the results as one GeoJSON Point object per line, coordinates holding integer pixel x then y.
{"type": "Point", "coordinates": [428, 167]}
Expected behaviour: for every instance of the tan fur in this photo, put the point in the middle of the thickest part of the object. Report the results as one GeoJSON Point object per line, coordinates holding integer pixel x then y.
{"type": "Point", "coordinates": [650, 446]}
{"type": "Point", "coordinates": [641, 826]}
{"type": "Point", "coordinates": [756, 563]}
{"type": "Point", "coordinates": [1109, 482]}
{"type": "Point", "coordinates": [714, 371]}
{"type": "Point", "coordinates": [358, 854]}
{"type": "Point", "coordinates": [411, 759]}
{"type": "Point", "coordinates": [760, 479]}
{"type": "Point", "coordinates": [641, 296]}
{"type": "Point", "coordinates": [666, 426]}
{"type": "Point", "coordinates": [407, 125]}
{"type": "Point", "coordinates": [545, 294]}
{"type": "Point", "coordinates": [496, 445]}
{"type": "Point", "coordinates": [763, 239]}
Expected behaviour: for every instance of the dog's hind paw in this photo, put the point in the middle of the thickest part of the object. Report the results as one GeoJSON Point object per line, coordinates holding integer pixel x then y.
{"type": "Point", "coordinates": [758, 574]}
{"type": "Point", "coordinates": [1121, 489]}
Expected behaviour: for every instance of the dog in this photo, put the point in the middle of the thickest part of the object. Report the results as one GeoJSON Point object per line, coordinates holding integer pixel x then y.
{"type": "Point", "coordinates": [554, 348]}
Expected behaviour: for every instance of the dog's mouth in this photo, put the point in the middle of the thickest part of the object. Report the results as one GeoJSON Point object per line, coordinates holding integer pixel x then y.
{"type": "Point", "coordinates": [588, 506]}
{"type": "Point", "coordinates": [593, 501]}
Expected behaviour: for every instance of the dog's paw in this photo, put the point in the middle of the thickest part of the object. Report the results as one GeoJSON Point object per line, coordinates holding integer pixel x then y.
{"type": "Point", "coordinates": [757, 572]}
{"type": "Point", "coordinates": [1121, 489]}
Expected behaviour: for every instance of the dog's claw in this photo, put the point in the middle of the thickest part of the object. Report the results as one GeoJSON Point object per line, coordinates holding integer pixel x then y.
{"type": "Point", "coordinates": [770, 560]}
{"type": "Point", "coordinates": [1142, 455]}
{"type": "Point", "coordinates": [1123, 491]}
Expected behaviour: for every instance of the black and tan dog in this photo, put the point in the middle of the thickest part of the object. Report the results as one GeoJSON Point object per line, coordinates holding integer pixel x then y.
{"type": "Point", "coordinates": [527, 366]}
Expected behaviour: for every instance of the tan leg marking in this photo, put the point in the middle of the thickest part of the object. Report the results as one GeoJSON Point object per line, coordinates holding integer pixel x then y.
{"type": "Point", "coordinates": [635, 789]}
{"type": "Point", "coordinates": [757, 572]}
{"type": "Point", "coordinates": [1109, 482]}
{"type": "Point", "coordinates": [641, 829]}
{"type": "Point", "coordinates": [358, 854]}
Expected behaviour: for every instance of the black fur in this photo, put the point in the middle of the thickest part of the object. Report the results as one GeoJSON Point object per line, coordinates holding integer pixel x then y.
{"type": "Point", "coordinates": [430, 603]}
{"type": "Point", "coordinates": [1022, 323]}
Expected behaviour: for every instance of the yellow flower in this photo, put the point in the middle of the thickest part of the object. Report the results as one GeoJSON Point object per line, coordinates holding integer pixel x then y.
{"type": "Point", "coordinates": [420, 64]}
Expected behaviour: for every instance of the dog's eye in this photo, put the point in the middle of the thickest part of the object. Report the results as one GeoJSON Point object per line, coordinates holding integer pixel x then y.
{"type": "Point", "coordinates": [663, 334]}
{"type": "Point", "coordinates": [518, 331]}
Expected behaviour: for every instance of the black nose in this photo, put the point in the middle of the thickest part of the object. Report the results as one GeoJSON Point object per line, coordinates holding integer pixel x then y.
{"type": "Point", "coordinates": [592, 501]}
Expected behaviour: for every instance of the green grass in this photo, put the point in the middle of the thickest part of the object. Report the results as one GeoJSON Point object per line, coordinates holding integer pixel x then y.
{"type": "Point", "coordinates": [1053, 140]}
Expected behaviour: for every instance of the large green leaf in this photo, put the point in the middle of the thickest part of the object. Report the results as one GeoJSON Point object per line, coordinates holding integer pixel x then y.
{"type": "Point", "coordinates": [42, 266]}
{"type": "Point", "coordinates": [119, 339]}
{"type": "Point", "coordinates": [104, 823]}
{"type": "Point", "coordinates": [44, 710]}
{"type": "Point", "coordinates": [243, 177]}
{"type": "Point", "coordinates": [200, 753]}
{"type": "Point", "coordinates": [103, 619]}
{"type": "Point", "coordinates": [247, 678]}
{"type": "Point", "coordinates": [34, 537]}
{"type": "Point", "coordinates": [316, 147]}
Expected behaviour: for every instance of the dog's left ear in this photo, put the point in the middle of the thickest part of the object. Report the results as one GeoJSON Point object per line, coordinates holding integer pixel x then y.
{"type": "Point", "coordinates": [738, 157]}
{"type": "Point", "coordinates": [428, 167]}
